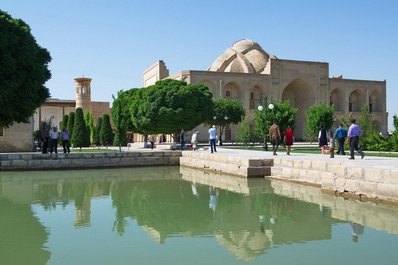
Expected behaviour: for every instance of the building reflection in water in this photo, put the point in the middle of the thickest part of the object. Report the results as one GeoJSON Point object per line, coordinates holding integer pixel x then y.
{"type": "Point", "coordinates": [248, 217]}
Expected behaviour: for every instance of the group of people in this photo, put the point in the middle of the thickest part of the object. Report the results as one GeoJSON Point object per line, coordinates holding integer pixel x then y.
{"type": "Point", "coordinates": [51, 138]}
{"type": "Point", "coordinates": [352, 137]}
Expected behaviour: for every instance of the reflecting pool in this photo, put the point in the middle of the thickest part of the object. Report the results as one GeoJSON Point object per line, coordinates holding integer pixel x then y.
{"type": "Point", "coordinates": [172, 215]}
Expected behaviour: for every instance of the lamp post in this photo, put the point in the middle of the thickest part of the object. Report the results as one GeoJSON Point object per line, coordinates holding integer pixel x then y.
{"type": "Point", "coordinates": [265, 108]}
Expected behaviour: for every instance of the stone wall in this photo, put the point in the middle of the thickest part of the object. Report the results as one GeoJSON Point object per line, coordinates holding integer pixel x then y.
{"type": "Point", "coordinates": [87, 160]}
{"type": "Point", "coordinates": [17, 138]}
{"type": "Point", "coordinates": [377, 183]}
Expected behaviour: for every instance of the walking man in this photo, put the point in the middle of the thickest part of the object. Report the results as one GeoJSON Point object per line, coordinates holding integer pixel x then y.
{"type": "Point", "coordinates": [45, 136]}
{"type": "Point", "coordinates": [340, 134]}
{"type": "Point", "coordinates": [65, 140]}
{"type": "Point", "coordinates": [182, 142]}
{"type": "Point", "coordinates": [275, 137]}
{"type": "Point", "coordinates": [212, 138]}
{"type": "Point", "coordinates": [54, 135]}
{"type": "Point", "coordinates": [354, 132]}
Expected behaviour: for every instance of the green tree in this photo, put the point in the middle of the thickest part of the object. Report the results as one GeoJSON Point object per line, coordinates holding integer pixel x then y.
{"type": "Point", "coordinates": [246, 133]}
{"type": "Point", "coordinates": [226, 111]}
{"type": "Point", "coordinates": [169, 106]}
{"type": "Point", "coordinates": [88, 119]}
{"type": "Point", "coordinates": [319, 115]}
{"type": "Point", "coordinates": [71, 124]}
{"type": "Point", "coordinates": [96, 137]}
{"type": "Point", "coordinates": [366, 122]}
{"type": "Point", "coordinates": [23, 71]}
{"type": "Point", "coordinates": [106, 135]}
{"type": "Point", "coordinates": [64, 123]}
{"type": "Point", "coordinates": [395, 122]}
{"type": "Point", "coordinates": [282, 113]}
{"type": "Point", "coordinates": [81, 136]}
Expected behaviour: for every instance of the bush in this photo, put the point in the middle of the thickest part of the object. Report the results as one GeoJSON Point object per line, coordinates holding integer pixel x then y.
{"type": "Point", "coordinates": [246, 133]}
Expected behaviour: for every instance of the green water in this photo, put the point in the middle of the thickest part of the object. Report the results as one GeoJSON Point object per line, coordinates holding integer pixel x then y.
{"type": "Point", "coordinates": [168, 215]}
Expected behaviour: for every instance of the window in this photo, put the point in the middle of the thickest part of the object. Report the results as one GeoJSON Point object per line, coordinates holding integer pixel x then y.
{"type": "Point", "coordinates": [227, 94]}
{"type": "Point", "coordinates": [1, 131]}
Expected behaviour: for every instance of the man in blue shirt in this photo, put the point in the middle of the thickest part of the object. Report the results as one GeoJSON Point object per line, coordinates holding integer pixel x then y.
{"type": "Point", "coordinates": [340, 134]}
{"type": "Point", "coordinates": [354, 132]}
{"type": "Point", "coordinates": [212, 138]}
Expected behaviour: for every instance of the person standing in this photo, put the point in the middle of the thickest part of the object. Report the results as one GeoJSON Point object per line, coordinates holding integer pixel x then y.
{"type": "Point", "coordinates": [354, 132]}
{"type": "Point", "coordinates": [65, 140]}
{"type": "Point", "coordinates": [152, 141]}
{"type": "Point", "coordinates": [332, 145]}
{"type": "Point", "coordinates": [45, 135]}
{"type": "Point", "coordinates": [275, 137]}
{"type": "Point", "coordinates": [194, 141]}
{"type": "Point", "coordinates": [54, 136]}
{"type": "Point", "coordinates": [323, 139]}
{"type": "Point", "coordinates": [212, 138]}
{"type": "Point", "coordinates": [289, 139]}
{"type": "Point", "coordinates": [340, 134]}
{"type": "Point", "coordinates": [182, 141]}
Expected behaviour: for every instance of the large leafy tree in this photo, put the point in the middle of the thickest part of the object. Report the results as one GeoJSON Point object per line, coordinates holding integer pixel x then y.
{"type": "Point", "coordinates": [169, 106]}
{"type": "Point", "coordinates": [121, 116]}
{"type": "Point", "coordinates": [395, 122]}
{"type": "Point", "coordinates": [282, 113]}
{"type": "Point", "coordinates": [319, 115]}
{"type": "Point", "coordinates": [226, 111]}
{"type": "Point", "coordinates": [23, 71]}
{"type": "Point", "coordinates": [81, 135]}
{"type": "Point", "coordinates": [106, 135]}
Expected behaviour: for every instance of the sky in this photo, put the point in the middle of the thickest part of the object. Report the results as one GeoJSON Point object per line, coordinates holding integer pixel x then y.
{"type": "Point", "coordinates": [113, 42]}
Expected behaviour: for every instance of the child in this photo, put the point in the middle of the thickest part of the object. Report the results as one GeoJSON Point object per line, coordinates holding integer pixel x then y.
{"type": "Point", "coordinates": [332, 145]}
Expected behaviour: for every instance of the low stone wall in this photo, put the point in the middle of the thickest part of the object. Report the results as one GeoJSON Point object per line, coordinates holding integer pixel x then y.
{"type": "Point", "coordinates": [39, 161]}
{"type": "Point", "coordinates": [377, 183]}
{"type": "Point", "coordinates": [233, 165]}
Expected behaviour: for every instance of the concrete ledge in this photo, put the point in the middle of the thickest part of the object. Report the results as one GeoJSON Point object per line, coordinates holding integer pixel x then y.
{"type": "Point", "coordinates": [14, 162]}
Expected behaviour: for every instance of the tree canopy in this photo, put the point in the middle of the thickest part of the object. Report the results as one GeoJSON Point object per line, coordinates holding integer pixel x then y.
{"type": "Point", "coordinates": [106, 135]}
{"type": "Point", "coordinates": [71, 123]}
{"type": "Point", "coordinates": [81, 135]}
{"type": "Point", "coordinates": [23, 71]}
{"type": "Point", "coordinates": [121, 116]}
{"type": "Point", "coordinates": [97, 129]}
{"type": "Point", "coordinates": [169, 106]}
{"type": "Point", "coordinates": [226, 111]}
{"type": "Point", "coordinates": [88, 119]}
{"type": "Point", "coordinates": [282, 113]}
{"type": "Point", "coordinates": [64, 123]}
{"type": "Point", "coordinates": [319, 115]}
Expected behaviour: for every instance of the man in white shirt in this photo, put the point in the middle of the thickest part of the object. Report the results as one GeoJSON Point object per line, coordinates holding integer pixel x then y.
{"type": "Point", "coordinates": [212, 138]}
{"type": "Point", "coordinates": [54, 135]}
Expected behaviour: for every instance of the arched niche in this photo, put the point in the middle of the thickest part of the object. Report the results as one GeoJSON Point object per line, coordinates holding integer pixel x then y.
{"type": "Point", "coordinates": [375, 102]}
{"type": "Point", "coordinates": [233, 88]}
{"type": "Point", "coordinates": [337, 99]}
{"type": "Point", "coordinates": [356, 101]}
{"type": "Point", "coordinates": [377, 125]}
{"type": "Point", "coordinates": [255, 96]}
{"type": "Point", "coordinates": [301, 95]}
{"type": "Point", "coordinates": [210, 85]}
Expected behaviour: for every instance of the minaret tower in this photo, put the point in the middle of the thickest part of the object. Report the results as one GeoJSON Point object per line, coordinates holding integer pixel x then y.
{"type": "Point", "coordinates": [83, 93]}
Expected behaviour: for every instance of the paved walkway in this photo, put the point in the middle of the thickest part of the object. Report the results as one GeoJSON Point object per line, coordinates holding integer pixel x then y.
{"type": "Point", "coordinates": [368, 161]}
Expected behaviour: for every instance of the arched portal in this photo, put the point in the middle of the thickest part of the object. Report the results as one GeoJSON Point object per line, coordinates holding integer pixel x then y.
{"type": "Point", "coordinates": [356, 101]}
{"type": "Point", "coordinates": [375, 102]}
{"type": "Point", "coordinates": [301, 96]}
{"type": "Point", "coordinates": [234, 90]}
{"type": "Point", "coordinates": [337, 99]}
{"type": "Point", "coordinates": [255, 96]}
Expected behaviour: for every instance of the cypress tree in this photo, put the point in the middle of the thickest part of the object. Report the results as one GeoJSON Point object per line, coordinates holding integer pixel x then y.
{"type": "Point", "coordinates": [71, 123]}
{"type": "Point", "coordinates": [106, 135]}
{"type": "Point", "coordinates": [80, 133]}
{"type": "Point", "coordinates": [88, 119]}
{"type": "Point", "coordinates": [97, 130]}
{"type": "Point", "coordinates": [64, 122]}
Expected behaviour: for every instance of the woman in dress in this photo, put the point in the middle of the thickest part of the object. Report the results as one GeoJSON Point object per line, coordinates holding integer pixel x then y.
{"type": "Point", "coordinates": [323, 139]}
{"type": "Point", "coordinates": [289, 139]}
{"type": "Point", "coordinates": [194, 141]}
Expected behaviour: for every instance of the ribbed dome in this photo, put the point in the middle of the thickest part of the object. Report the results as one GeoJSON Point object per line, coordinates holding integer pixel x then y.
{"type": "Point", "coordinates": [245, 56]}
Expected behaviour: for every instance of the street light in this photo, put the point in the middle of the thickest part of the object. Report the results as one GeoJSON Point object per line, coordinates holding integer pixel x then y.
{"type": "Point", "coordinates": [265, 108]}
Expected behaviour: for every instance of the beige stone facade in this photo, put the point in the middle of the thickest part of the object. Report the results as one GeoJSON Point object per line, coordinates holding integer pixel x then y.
{"type": "Point", "coordinates": [247, 73]}
{"type": "Point", "coordinates": [17, 138]}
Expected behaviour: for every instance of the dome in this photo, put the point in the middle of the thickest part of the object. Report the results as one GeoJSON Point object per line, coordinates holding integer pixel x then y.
{"type": "Point", "coordinates": [245, 56]}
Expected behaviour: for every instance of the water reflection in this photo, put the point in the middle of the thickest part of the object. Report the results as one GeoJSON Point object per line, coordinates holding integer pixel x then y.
{"type": "Point", "coordinates": [248, 217]}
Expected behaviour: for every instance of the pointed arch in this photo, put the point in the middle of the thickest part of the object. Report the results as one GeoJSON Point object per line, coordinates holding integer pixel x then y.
{"type": "Point", "coordinates": [356, 101]}
{"type": "Point", "coordinates": [233, 88]}
{"type": "Point", "coordinates": [375, 101]}
{"type": "Point", "coordinates": [337, 99]}
{"type": "Point", "coordinates": [301, 95]}
{"type": "Point", "coordinates": [255, 96]}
